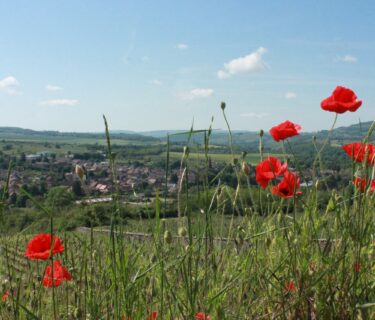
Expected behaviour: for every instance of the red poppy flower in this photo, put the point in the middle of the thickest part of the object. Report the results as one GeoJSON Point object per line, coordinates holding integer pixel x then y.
{"type": "Point", "coordinates": [288, 186]}
{"type": "Point", "coordinates": [285, 130]}
{"type": "Point", "coordinates": [341, 100]}
{"type": "Point", "coordinates": [290, 287]}
{"type": "Point", "coordinates": [357, 267]}
{"type": "Point", "coordinates": [60, 274]}
{"type": "Point", "coordinates": [362, 183]}
{"type": "Point", "coordinates": [5, 296]}
{"type": "Point", "coordinates": [39, 247]}
{"type": "Point", "coordinates": [202, 316]}
{"type": "Point", "coordinates": [268, 170]}
{"type": "Point", "coordinates": [358, 151]}
{"type": "Point", "coordinates": [153, 316]}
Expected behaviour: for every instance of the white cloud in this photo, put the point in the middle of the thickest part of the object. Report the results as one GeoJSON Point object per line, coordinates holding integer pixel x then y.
{"type": "Point", "coordinates": [290, 95]}
{"type": "Point", "coordinates": [9, 85]}
{"type": "Point", "coordinates": [348, 58]}
{"type": "Point", "coordinates": [253, 62]}
{"type": "Point", "coordinates": [182, 46]}
{"type": "Point", "coordinates": [59, 102]}
{"type": "Point", "coordinates": [197, 93]}
{"type": "Point", "coordinates": [255, 115]}
{"type": "Point", "coordinates": [156, 82]}
{"type": "Point", "coordinates": [8, 82]}
{"type": "Point", "coordinates": [53, 88]}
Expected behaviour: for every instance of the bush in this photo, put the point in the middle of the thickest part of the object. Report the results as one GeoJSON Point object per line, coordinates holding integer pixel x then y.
{"type": "Point", "coordinates": [59, 197]}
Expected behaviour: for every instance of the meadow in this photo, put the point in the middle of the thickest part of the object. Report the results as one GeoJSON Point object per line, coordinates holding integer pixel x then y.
{"type": "Point", "coordinates": [231, 253]}
{"type": "Point", "coordinates": [251, 158]}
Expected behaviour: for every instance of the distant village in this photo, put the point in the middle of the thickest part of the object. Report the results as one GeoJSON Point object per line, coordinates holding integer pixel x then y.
{"type": "Point", "coordinates": [51, 170]}
{"type": "Point", "coordinates": [42, 171]}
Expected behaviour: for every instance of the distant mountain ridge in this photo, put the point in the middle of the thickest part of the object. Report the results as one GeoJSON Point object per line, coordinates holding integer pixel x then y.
{"type": "Point", "coordinates": [10, 133]}
{"type": "Point", "coordinates": [248, 139]}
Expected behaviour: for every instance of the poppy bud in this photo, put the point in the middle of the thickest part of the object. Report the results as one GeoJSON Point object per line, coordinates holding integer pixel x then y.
{"type": "Point", "coordinates": [154, 258]}
{"type": "Point", "coordinates": [235, 161]}
{"type": "Point", "coordinates": [223, 106]}
{"type": "Point", "coordinates": [186, 151]}
{"type": "Point", "coordinates": [246, 168]}
{"type": "Point", "coordinates": [167, 237]}
{"type": "Point", "coordinates": [261, 133]}
{"type": "Point", "coordinates": [244, 154]}
{"type": "Point", "coordinates": [219, 191]}
{"type": "Point", "coordinates": [317, 184]}
{"type": "Point", "coordinates": [182, 232]}
{"type": "Point", "coordinates": [80, 172]}
{"type": "Point", "coordinates": [314, 138]}
{"type": "Point", "coordinates": [240, 239]}
{"type": "Point", "coordinates": [312, 268]}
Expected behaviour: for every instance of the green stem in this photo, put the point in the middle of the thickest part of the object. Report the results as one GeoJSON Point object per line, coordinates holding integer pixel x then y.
{"type": "Point", "coordinates": [318, 156]}
{"type": "Point", "coordinates": [52, 269]}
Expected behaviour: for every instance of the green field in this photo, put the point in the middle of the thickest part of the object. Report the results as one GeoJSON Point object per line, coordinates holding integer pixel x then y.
{"type": "Point", "coordinates": [252, 158]}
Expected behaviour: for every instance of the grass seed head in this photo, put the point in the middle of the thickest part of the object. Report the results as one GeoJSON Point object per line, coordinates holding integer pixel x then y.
{"type": "Point", "coordinates": [168, 237]}
{"type": "Point", "coordinates": [182, 232]}
{"type": "Point", "coordinates": [246, 168]}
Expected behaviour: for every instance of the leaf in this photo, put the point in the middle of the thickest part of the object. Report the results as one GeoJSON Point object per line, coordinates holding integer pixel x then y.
{"type": "Point", "coordinates": [366, 305]}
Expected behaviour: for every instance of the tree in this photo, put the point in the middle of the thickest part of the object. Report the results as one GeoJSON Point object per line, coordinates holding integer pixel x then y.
{"type": "Point", "coordinates": [23, 157]}
{"type": "Point", "coordinates": [59, 197]}
{"type": "Point", "coordinates": [43, 187]}
{"type": "Point", "coordinates": [13, 199]}
{"type": "Point", "coordinates": [77, 188]}
{"type": "Point", "coordinates": [34, 190]}
{"type": "Point", "coordinates": [174, 178]}
{"type": "Point", "coordinates": [21, 201]}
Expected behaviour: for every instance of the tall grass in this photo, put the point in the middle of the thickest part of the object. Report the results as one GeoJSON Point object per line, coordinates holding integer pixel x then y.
{"type": "Point", "coordinates": [274, 258]}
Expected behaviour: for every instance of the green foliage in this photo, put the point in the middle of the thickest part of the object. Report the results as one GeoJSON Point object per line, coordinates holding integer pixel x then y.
{"type": "Point", "coordinates": [58, 197]}
{"type": "Point", "coordinates": [77, 189]}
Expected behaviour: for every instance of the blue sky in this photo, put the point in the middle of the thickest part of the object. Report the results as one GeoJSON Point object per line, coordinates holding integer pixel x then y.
{"type": "Point", "coordinates": [151, 65]}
